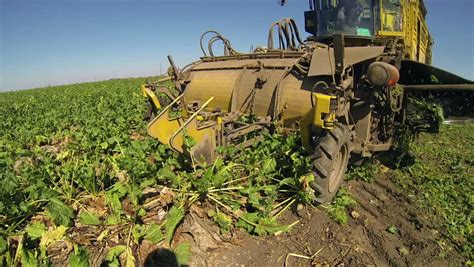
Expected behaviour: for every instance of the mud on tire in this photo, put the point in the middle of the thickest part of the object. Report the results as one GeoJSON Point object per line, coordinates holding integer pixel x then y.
{"type": "Point", "coordinates": [330, 159]}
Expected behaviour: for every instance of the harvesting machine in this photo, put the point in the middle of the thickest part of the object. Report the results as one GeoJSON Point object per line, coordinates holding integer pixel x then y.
{"type": "Point", "coordinates": [345, 87]}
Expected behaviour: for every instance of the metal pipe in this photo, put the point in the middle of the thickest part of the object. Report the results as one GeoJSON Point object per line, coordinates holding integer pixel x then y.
{"type": "Point", "coordinates": [185, 124]}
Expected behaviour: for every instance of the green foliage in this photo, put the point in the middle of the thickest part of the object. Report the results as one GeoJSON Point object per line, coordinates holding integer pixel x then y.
{"type": "Point", "coordinates": [3, 245]}
{"type": "Point", "coordinates": [365, 172]}
{"type": "Point", "coordinates": [392, 229]}
{"type": "Point", "coordinates": [35, 230]}
{"type": "Point", "coordinates": [89, 218]}
{"type": "Point", "coordinates": [175, 215]}
{"type": "Point", "coordinates": [61, 145]}
{"type": "Point", "coordinates": [442, 178]}
{"type": "Point", "coordinates": [182, 253]}
{"type": "Point", "coordinates": [138, 232]}
{"type": "Point", "coordinates": [188, 141]}
{"type": "Point", "coordinates": [114, 254]}
{"type": "Point", "coordinates": [91, 139]}
{"type": "Point", "coordinates": [338, 208]}
{"type": "Point", "coordinates": [252, 223]}
{"type": "Point", "coordinates": [428, 107]}
{"type": "Point", "coordinates": [28, 258]}
{"type": "Point", "coordinates": [153, 233]}
{"type": "Point", "coordinates": [59, 212]}
{"type": "Point", "coordinates": [58, 142]}
{"type": "Point", "coordinates": [80, 258]}
{"type": "Point", "coordinates": [223, 220]}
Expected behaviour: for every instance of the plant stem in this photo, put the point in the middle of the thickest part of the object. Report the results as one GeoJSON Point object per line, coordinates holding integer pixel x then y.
{"type": "Point", "coordinates": [282, 210]}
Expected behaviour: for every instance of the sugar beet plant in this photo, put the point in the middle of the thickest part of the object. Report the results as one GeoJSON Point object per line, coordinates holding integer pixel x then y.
{"type": "Point", "coordinates": [77, 158]}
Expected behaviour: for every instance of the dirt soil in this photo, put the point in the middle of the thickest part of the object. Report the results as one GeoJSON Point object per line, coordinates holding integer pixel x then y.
{"type": "Point", "coordinates": [364, 240]}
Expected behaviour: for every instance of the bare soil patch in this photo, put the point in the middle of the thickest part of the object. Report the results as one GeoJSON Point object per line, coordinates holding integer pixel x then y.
{"type": "Point", "coordinates": [364, 240]}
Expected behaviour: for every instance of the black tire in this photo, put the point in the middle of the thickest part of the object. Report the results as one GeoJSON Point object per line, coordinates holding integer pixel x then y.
{"type": "Point", "coordinates": [330, 160]}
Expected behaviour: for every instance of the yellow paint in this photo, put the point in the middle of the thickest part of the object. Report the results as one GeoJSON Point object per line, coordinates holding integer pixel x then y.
{"type": "Point", "coordinates": [204, 84]}
{"type": "Point", "coordinates": [142, 87]}
{"type": "Point", "coordinates": [320, 116]}
{"type": "Point", "coordinates": [219, 123]}
{"type": "Point", "coordinates": [413, 32]}
{"type": "Point", "coordinates": [323, 116]}
{"type": "Point", "coordinates": [190, 127]}
{"type": "Point", "coordinates": [171, 131]}
{"type": "Point", "coordinates": [163, 127]}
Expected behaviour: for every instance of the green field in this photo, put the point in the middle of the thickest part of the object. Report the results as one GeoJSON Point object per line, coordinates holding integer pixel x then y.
{"type": "Point", "coordinates": [442, 180]}
{"type": "Point", "coordinates": [77, 158]}
{"type": "Point", "coordinates": [68, 149]}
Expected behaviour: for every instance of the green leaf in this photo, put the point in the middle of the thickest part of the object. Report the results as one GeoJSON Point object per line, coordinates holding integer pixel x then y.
{"type": "Point", "coordinates": [338, 213]}
{"type": "Point", "coordinates": [3, 245]}
{"type": "Point", "coordinates": [137, 232]}
{"type": "Point", "coordinates": [114, 253]}
{"type": "Point", "coordinates": [243, 221]}
{"type": "Point", "coordinates": [28, 258]}
{"type": "Point", "coordinates": [35, 230]}
{"type": "Point", "coordinates": [224, 221]}
{"type": "Point", "coordinates": [52, 236]}
{"type": "Point", "coordinates": [113, 219]}
{"type": "Point", "coordinates": [104, 145]}
{"type": "Point", "coordinates": [288, 181]}
{"type": "Point", "coordinates": [175, 215]}
{"type": "Point", "coordinates": [79, 259]}
{"type": "Point", "coordinates": [153, 233]}
{"type": "Point", "coordinates": [392, 229]}
{"type": "Point", "coordinates": [141, 212]}
{"type": "Point", "coordinates": [59, 212]}
{"type": "Point", "coordinates": [269, 226]}
{"type": "Point", "coordinates": [183, 253]}
{"type": "Point", "coordinates": [88, 218]}
{"type": "Point", "coordinates": [269, 166]}
{"type": "Point", "coordinates": [115, 205]}
{"type": "Point", "coordinates": [188, 141]}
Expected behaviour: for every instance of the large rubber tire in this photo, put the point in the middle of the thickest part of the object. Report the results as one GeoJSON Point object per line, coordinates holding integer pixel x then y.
{"type": "Point", "coordinates": [330, 160]}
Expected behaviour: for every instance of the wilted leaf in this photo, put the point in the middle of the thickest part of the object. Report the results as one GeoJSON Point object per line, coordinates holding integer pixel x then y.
{"type": "Point", "coordinates": [52, 236]}
{"type": "Point", "coordinates": [115, 252]}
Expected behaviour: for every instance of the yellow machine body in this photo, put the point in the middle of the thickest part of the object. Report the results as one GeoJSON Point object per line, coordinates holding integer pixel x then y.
{"type": "Point", "coordinates": [284, 84]}
{"type": "Point", "coordinates": [406, 22]}
{"type": "Point", "coordinates": [263, 85]}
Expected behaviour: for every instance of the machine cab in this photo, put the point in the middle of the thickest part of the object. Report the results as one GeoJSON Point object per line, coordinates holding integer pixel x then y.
{"type": "Point", "coordinates": [353, 18]}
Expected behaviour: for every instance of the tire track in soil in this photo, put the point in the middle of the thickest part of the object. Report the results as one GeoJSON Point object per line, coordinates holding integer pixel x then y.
{"type": "Point", "coordinates": [364, 240]}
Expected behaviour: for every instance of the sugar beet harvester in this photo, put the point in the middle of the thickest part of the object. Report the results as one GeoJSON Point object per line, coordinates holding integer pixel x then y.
{"type": "Point", "coordinates": [345, 87]}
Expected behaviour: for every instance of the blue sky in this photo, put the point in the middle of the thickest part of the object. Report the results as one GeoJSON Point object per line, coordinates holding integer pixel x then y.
{"type": "Point", "coordinates": [49, 42]}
